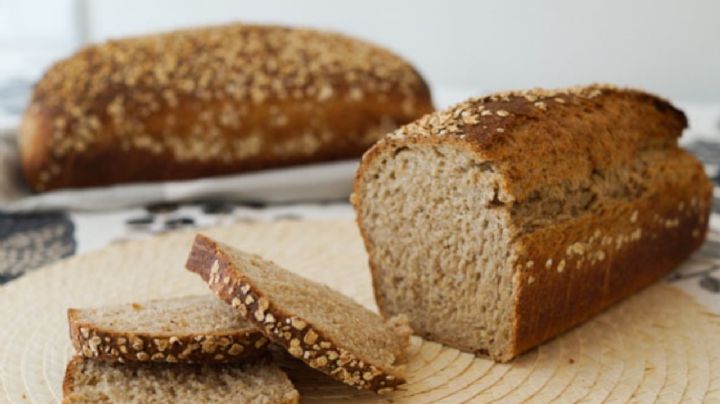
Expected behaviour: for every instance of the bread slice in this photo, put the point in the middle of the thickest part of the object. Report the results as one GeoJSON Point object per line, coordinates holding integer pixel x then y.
{"type": "Point", "coordinates": [191, 329]}
{"type": "Point", "coordinates": [327, 330]}
{"type": "Point", "coordinates": [507, 219]}
{"type": "Point", "coordinates": [90, 381]}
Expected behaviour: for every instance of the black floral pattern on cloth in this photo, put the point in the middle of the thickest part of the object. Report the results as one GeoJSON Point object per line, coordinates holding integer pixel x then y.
{"type": "Point", "coordinates": [167, 217]}
{"type": "Point", "coordinates": [218, 208]}
{"type": "Point", "coordinates": [159, 218]}
{"type": "Point", "coordinates": [31, 240]}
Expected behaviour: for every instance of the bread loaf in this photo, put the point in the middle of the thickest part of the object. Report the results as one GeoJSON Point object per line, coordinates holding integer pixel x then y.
{"type": "Point", "coordinates": [89, 381]}
{"type": "Point", "coordinates": [323, 328]}
{"type": "Point", "coordinates": [507, 219]}
{"type": "Point", "coordinates": [212, 101]}
{"type": "Point", "coordinates": [189, 329]}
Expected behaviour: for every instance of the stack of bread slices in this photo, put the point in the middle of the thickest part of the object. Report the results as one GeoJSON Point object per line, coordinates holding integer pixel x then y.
{"type": "Point", "coordinates": [215, 348]}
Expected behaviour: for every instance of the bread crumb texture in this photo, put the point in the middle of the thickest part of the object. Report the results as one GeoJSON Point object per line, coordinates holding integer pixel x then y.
{"type": "Point", "coordinates": [262, 382]}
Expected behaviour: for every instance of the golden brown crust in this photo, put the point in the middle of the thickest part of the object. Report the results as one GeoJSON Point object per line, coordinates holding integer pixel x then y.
{"type": "Point", "coordinates": [532, 138]}
{"type": "Point", "coordinates": [297, 335]}
{"type": "Point", "coordinates": [505, 129]}
{"type": "Point", "coordinates": [213, 101]}
{"type": "Point", "coordinates": [96, 343]}
{"type": "Point", "coordinates": [69, 378]}
{"type": "Point", "coordinates": [584, 266]}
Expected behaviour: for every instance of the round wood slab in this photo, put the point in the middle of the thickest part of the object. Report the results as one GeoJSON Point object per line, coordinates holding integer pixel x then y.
{"type": "Point", "coordinates": [657, 346]}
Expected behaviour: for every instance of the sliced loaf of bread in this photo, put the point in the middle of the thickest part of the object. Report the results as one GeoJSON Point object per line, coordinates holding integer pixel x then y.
{"type": "Point", "coordinates": [90, 381]}
{"type": "Point", "coordinates": [191, 329]}
{"type": "Point", "coordinates": [507, 219]}
{"type": "Point", "coordinates": [325, 329]}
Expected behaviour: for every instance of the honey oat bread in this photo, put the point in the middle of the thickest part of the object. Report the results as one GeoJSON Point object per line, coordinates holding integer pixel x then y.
{"type": "Point", "coordinates": [507, 219]}
{"type": "Point", "coordinates": [262, 382]}
{"type": "Point", "coordinates": [212, 101]}
{"type": "Point", "coordinates": [190, 329]}
{"type": "Point", "coordinates": [314, 323]}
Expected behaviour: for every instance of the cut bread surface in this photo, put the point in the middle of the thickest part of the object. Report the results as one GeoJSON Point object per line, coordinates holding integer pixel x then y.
{"type": "Point", "coordinates": [262, 382]}
{"type": "Point", "coordinates": [313, 322]}
{"type": "Point", "coordinates": [440, 244]}
{"type": "Point", "coordinates": [183, 329]}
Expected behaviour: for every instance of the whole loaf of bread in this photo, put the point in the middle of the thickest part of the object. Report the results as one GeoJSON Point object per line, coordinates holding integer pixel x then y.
{"type": "Point", "coordinates": [505, 220]}
{"type": "Point", "coordinates": [212, 101]}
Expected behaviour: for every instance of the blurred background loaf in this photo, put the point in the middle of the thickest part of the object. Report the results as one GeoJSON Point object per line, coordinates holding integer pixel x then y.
{"type": "Point", "coordinates": [663, 46]}
{"type": "Point", "coordinates": [212, 101]}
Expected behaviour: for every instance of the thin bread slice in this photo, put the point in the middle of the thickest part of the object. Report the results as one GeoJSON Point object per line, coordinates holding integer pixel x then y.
{"type": "Point", "coordinates": [262, 382]}
{"type": "Point", "coordinates": [325, 329]}
{"type": "Point", "coordinates": [191, 329]}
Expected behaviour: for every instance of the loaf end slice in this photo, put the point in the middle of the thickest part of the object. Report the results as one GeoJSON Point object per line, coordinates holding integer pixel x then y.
{"type": "Point", "coordinates": [190, 329]}
{"type": "Point", "coordinates": [314, 323]}
{"type": "Point", "coordinates": [262, 382]}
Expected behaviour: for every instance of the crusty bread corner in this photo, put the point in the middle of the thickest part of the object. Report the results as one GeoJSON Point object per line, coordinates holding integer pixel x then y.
{"type": "Point", "coordinates": [69, 378]}
{"type": "Point", "coordinates": [297, 335]}
{"type": "Point", "coordinates": [531, 144]}
{"type": "Point", "coordinates": [486, 125]}
{"type": "Point", "coordinates": [94, 342]}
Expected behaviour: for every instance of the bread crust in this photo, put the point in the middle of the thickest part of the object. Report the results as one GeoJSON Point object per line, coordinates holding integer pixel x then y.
{"type": "Point", "coordinates": [186, 104]}
{"type": "Point", "coordinates": [94, 342]}
{"type": "Point", "coordinates": [297, 335]}
{"type": "Point", "coordinates": [628, 247]}
{"type": "Point", "coordinates": [607, 254]}
{"type": "Point", "coordinates": [69, 378]}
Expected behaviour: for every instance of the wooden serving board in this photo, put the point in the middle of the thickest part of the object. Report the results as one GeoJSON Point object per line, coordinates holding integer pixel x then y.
{"type": "Point", "coordinates": [657, 346]}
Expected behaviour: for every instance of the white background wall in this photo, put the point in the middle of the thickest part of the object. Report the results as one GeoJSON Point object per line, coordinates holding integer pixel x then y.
{"type": "Point", "coordinates": [671, 47]}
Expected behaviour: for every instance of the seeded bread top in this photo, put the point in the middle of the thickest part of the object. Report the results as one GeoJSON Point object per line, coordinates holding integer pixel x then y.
{"type": "Point", "coordinates": [520, 134]}
{"type": "Point", "coordinates": [485, 119]}
{"type": "Point", "coordinates": [117, 81]}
